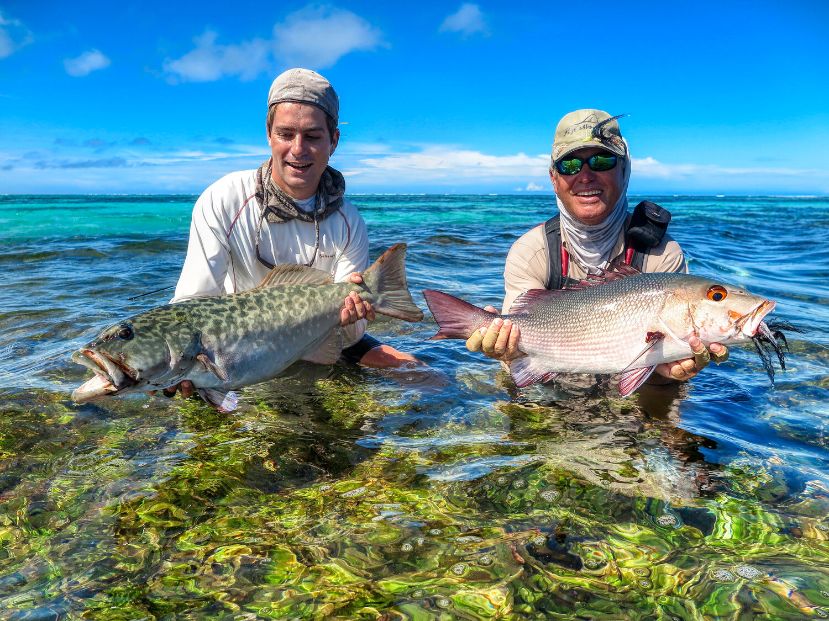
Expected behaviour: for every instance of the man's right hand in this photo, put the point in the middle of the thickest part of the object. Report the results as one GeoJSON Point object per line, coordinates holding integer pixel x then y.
{"type": "Point", "coordinates": [498, 341]}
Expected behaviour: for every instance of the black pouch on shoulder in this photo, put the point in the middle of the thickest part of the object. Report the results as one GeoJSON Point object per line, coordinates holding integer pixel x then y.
{"type": "Point", "coordinates": [647, 226]}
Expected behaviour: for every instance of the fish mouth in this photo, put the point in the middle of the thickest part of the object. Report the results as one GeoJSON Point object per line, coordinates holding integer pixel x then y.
{"type": "Point", "coordinates": [111, 376]}
{"type": "Point", "coordinates": [749, 323]}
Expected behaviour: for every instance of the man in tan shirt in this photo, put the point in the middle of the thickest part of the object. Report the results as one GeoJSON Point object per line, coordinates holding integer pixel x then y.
{"type": "Point", "coordinates": [590, 170]}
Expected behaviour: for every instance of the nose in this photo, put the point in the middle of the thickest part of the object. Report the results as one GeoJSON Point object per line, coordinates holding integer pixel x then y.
{"type": "Point", "coordinates": [585, 175]}
{"type": "Point", "coordinates": [298, 145]}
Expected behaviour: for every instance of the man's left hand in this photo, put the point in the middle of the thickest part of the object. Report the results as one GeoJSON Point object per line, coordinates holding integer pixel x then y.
{"type": "Point", "coordinates": [685, 369]}
{"type": "Point", "coordinates": [354, 307]}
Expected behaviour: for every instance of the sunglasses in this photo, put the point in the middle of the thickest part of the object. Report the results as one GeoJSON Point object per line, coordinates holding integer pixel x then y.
{"type": "Point", "coordinates": [599, 162]}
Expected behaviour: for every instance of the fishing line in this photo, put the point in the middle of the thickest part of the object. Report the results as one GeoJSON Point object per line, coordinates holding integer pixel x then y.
{"type": "Point", "coordinates": [141, 295]}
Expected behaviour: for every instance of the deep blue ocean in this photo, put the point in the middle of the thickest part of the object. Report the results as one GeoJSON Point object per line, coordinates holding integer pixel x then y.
{"type": "Point", "coordinates": [360, 494]}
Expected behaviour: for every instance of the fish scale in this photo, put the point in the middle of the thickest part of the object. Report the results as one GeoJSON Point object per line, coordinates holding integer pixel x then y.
{"type": "Point", "coordinates": [622, 313]}
{"type": "Point", "coordinates": [621, 322]}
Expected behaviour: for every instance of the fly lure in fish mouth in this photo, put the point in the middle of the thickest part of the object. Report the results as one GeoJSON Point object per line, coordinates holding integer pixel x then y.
{"type": "Point", "coordinates": [770, 338]}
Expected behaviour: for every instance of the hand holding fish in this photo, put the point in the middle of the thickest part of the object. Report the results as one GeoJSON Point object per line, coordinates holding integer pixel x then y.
{"type": "Point", "coordinates": [685, 369]}
{"type": "Point", "coordinates": [499, 341]}
{"type": "Point", "coordinates": [354, 307]}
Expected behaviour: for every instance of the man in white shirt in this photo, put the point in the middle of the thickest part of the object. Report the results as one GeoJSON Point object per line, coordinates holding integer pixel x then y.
{"type": "Point", "coordinates": [292, 209]}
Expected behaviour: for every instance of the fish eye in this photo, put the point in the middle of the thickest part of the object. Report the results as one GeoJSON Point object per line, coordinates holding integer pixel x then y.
{"type": "Point", "coordinates": [717, 293]}
{"type": "Point", "coordinates": [125, 332]}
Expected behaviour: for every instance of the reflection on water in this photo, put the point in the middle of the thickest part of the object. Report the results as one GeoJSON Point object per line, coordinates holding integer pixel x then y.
{"type": "Point", "coordinates": [425, 493]}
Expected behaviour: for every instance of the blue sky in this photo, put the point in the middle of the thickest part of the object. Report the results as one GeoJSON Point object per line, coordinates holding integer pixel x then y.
{"type": "Point", "coordinates": [166, 97]}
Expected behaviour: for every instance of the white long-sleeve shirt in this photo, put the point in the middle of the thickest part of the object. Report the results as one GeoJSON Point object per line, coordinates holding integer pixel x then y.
{"type": "Point", "coordinates": [221, 253]}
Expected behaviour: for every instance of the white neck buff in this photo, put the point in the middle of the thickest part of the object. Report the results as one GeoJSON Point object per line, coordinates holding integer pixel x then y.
{"type": "Point", "coordinates": [591, 245]}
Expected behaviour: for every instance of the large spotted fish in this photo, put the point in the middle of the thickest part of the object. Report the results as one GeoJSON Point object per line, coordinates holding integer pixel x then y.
{"type": "Point", "coordinates": [622, 323]}
{"type": "Point", "coordinates": [225, 343]}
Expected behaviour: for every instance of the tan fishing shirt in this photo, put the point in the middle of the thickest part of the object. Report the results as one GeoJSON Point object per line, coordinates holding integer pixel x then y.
{"type": "Point", "coordinates": [528, 262]}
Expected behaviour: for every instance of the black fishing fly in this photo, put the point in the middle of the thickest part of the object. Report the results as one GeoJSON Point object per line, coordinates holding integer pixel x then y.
{"type": "Point", "coordinates": [770, 338]}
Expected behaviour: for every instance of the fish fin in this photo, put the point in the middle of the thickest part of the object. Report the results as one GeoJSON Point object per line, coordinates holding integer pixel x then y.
{"type": "Point", "coordinates": [526, 371]}
{"type": "Point", "coordinates": [525, 302]}
{"type": "Point", "coordinates": [616, 271]}
{"type": "Point", "coordinates": [387, 279]}
{"type": "Point", "coordinates": [633, 379]}
{"type": "Point", "coordinates": [222, 401]}
{"type": "Point", "coordinates": [290, 274]}
{"type": "Point", "coordinates": [329, 351]}
{"type": "Point", "coordinates": [456, 318]}
{"type": "Point", "coordinates": [529, 299]}
{"type": "Point", "coordinates": [211, 366]}
{"type": "Point", "coordinates": [651, 340]}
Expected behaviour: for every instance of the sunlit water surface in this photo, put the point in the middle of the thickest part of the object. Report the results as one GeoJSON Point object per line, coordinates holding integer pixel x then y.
{"type": "Point", "coordinates": [443, 494]}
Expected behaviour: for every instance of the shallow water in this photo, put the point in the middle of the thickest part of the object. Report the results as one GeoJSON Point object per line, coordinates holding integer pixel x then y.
{"type": "Point", "coordinates": [355, 494]}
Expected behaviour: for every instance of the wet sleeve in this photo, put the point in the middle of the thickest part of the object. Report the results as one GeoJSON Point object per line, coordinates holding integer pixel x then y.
{"type": "Point", "coordinates": [353, 258]}
{"type": "Point", "coordinates": [526, 267]}
{"type": "Point", "coordinates": [208, 254]}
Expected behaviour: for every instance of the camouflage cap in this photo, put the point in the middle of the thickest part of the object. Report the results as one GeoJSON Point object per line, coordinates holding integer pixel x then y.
{"type": "Point", "coordinates": [588, 128]}
{"type": "Point", "coordinates": [305, 86]}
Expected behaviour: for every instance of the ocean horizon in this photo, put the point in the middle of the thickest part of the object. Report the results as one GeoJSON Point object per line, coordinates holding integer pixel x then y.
{"type": "Point", "coordinates": [641, 196]}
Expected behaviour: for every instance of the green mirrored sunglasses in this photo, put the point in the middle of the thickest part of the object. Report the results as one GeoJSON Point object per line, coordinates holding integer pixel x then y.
{"type": "Point", "coordinates": [598, 162]}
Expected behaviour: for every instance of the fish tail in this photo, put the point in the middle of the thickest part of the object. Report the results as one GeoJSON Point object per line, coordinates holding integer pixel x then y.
{"type": "Point", "coordinates": [456, 318]}
{"type": "Point", "coordinates": [387, 277]}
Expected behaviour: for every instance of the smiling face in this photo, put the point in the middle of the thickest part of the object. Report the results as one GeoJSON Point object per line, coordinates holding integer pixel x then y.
{"type": "Point", "coordinates": [300, 145]}
{"type": "Point", "coordinates": [589, 196]}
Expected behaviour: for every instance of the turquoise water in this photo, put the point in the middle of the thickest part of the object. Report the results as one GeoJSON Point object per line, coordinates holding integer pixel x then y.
{"type": "Point", "coordinates": [347, 493]}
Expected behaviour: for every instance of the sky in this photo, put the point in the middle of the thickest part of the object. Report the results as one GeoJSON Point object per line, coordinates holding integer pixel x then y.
{"type": "Point", "coordinates": [722, 97]}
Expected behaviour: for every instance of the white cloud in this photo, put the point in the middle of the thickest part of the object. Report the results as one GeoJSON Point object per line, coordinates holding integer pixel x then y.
{"type": "Point", "coordinates": [209, 62]}
{"type": "Point", "coordinates": [315, 37]}
{"type": "Point", "coordinates": [13, 36]}
{"type": "Point", "coordinates": [651, 168]}
{"type": "Point", "coordinates": [436, 166]}
{"type": "Point", "coordinates": [440, 163]}
{"type": "Point", "coordinates": [240, 153]}
{"type": "Point", "coordinates": [467, 20]}
{"type": "Point", "coordinates": [369, 167]}
{"type": "Point", "coordinates": [319, 36]}
{"type": "Point", "coordinates": [86, 63]}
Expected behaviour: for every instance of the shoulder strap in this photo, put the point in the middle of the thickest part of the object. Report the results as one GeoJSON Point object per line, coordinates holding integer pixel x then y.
{"type": "Point", "coordinates": [645, 230]}
{"type": "Point", "coordinates": [552, 231]}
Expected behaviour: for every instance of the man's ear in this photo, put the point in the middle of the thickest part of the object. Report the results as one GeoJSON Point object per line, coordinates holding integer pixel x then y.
{"type": "Point", "coordinates": [554, 180]}
{"type": "Point", "coordinates": [335, 139]}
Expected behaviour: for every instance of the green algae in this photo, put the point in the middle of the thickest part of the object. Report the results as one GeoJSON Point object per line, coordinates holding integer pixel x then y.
{"type": "Point", "coordinates": [279, 511]}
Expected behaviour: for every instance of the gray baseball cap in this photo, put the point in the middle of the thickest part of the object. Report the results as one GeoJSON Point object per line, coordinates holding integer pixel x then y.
{"type": "Point", "coordinates": [305, 86]}
{"type": "Point", "coordinates": [588, 128]}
